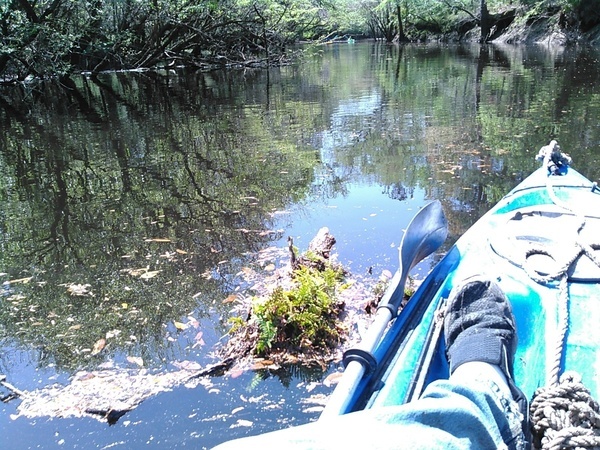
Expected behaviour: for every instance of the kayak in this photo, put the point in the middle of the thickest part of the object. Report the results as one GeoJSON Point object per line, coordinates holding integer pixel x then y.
{"type": "Point", "coordinates": [541, 243]}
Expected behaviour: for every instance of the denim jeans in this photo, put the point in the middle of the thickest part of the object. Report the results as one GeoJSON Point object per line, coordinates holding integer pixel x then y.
{"type": "Point", "coordinates": [449, 415]}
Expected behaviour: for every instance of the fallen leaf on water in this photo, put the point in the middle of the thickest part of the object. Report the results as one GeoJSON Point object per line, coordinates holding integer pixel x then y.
{"type": "Point", "coordinates": [180, 326]}
{"type": "Point", "coordinates": [136, 360]}
{"type": "Point", "coordinates": [333, 378]}
{"type": "Point", "coordinates": [98, 346]}
{"type": "Point", "coordinates": [198, 338]}
{"type": "Point", "coordinates": [136, 272]}
{"type": "Point", "coordinates": [192, 322]}
{"type": "Point", "coordinates": [241, 423]}
{"type": "Point", "coordinates": [230, 299]}
{"type": "Point", "coordinates": [19, 280]}
{"type": "Point", "coordinates": [80, 290]}
{"type": "Point", "coordinates": [247, 271]}
{"type": "Point", "coordinates": [150, 274]}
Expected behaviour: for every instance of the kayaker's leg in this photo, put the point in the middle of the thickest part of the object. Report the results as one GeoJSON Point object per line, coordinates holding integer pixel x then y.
{"type": "Point", "coordinates": [481, 338]}
{"type": "Point", "coordinates": [472, 409]}
{"type": "Point", "coordinates": [451, 415]}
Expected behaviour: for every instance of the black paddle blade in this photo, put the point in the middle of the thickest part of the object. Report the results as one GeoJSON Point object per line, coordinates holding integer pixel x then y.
{"type": "Point", "coordinates": [426, 232]}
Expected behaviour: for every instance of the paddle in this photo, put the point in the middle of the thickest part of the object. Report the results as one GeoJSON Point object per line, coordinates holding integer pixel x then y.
{"type": "Point", "coordinates": [424, 234]}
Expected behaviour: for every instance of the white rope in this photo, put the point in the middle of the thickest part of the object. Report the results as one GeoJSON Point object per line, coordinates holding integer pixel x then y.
{"type": "Point", "coordinates": [563, 414]}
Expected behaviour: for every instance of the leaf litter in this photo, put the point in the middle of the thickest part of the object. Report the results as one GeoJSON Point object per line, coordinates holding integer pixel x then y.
{"type": "Point", "coordinates": [109, 392]}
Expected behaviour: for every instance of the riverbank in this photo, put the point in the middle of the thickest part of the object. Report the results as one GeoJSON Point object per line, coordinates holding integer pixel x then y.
{"type": "Point", "coordinates": [520, 25]}
{"type": "Point", "coordinates": [549, 29]}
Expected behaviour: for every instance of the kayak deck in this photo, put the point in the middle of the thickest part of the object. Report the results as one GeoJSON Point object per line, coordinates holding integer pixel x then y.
{"type": "Point", "coordinates": [525, 236]}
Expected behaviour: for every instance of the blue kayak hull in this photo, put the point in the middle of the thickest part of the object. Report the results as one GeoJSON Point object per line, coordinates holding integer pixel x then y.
{"type": "Point", "coordinates": [532, 234]}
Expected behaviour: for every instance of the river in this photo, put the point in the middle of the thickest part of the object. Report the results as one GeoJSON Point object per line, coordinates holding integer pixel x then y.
{"type": "Point", "coordinates": [132, 205]}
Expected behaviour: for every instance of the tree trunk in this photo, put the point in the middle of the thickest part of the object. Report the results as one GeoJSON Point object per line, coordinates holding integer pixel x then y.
{"type": "Point", "coordinates": [401, 36]}
{"type": "Point", "coordinates": [485, 22]}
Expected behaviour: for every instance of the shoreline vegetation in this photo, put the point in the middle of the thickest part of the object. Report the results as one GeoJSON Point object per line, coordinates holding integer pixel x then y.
{"type": "Point", "coordinates": [43, 39]}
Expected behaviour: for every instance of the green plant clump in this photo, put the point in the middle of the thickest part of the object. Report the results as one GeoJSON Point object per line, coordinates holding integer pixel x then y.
{"type": "Point", "coordinates": [303, 318]}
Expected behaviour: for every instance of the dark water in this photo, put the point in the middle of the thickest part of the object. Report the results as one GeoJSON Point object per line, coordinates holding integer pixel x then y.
{"type": "Point", "coordinates": [148, 193]}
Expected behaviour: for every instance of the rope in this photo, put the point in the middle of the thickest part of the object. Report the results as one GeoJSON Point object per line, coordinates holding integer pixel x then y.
{"type": "Point", "coordinates": [563, 414]}
{"type": "Point", "coordinates": [563, 323]}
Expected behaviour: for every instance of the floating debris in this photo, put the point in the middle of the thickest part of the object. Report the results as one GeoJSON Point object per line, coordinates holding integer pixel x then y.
{"type": "Point", "coordinates": [105, 395]}
{"type": "Point", "coordinates": [79, 290]}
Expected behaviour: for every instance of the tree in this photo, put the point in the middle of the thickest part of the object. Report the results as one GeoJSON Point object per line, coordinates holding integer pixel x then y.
{"type": "Point", "coordinates": [484, 22]}
{"type": "Point", "coordinates": [43, 38]}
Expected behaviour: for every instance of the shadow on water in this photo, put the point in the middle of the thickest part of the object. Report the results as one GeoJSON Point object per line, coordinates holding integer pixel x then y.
{"type": "Point", "coordinates": [133, 202]}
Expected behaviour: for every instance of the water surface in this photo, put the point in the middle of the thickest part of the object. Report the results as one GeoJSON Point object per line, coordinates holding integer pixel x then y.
{"type": "Point", "coordinates": [148, 193]}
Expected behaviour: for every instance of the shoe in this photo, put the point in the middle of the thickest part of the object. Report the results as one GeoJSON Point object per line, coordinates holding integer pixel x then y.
{"type": "Point", "coordinates": [479, 326]}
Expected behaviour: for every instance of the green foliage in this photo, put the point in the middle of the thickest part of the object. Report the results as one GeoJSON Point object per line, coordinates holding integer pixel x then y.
{"type": "Point", "coordinates": [303, 317]}
{"type": "Point", "coordinates": [43, 38]}
{"type": "Point", "coordinates": [236, 323]}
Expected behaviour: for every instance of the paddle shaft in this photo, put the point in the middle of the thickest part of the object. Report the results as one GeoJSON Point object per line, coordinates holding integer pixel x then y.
{"type": "Point", "coordinates": [342, 396]}
{"type": "Point", "coordinates": [424, 234]}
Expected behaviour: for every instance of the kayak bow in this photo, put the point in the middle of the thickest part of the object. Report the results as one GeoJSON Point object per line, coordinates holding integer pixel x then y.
{"type": "Point", "coordinates": [540, 242]}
